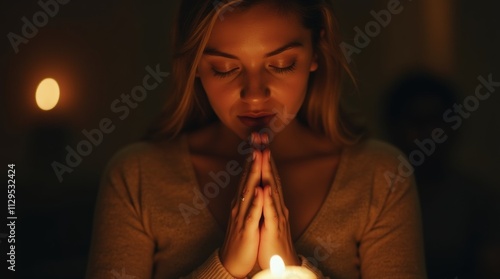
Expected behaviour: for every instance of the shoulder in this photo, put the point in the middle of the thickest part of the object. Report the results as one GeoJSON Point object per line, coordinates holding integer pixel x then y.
{"type": "Point", "coordinates": [146, 155]}
{"type": "Point", "coordinates": [378, 177]}
{"type": "Point", "coordinates": [375, 153]}
{"type": "Point", "coordinates": [376, 164]}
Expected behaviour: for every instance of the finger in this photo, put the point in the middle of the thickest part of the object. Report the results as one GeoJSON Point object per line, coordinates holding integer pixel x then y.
{"type": "Point", "coordinates": [243, 179]}
{"type": "Point", "coordinates": [277, 179]}
{"type": "Point", "coordinates": [246, 170]}
{"type": "Point", "coordinates": [269, 178]}
{"type": "Point", "coordinates": [265, 139]}
{"type": "Point", "coordinates": [256, 140]}
{"type": "Point", "coordinates": [267, 174]}
{"type": "Point", "coordinates": [251, 183]}
{"type": "Point", "coordinates": [255, 211]}
{"type": "Point", "coordinates": [270, 211]}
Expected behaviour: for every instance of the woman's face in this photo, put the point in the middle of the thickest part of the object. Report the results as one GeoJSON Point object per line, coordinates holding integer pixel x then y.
{"type": "Point", "coordinates": [255, 68]}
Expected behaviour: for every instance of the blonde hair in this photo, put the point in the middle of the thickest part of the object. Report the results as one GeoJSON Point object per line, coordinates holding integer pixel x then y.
{"type": "Point", "coordinates": [188, 107]}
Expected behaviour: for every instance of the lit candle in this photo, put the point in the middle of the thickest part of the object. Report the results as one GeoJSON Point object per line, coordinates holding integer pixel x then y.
{"type": "Point", "coordinates": [278, 270]}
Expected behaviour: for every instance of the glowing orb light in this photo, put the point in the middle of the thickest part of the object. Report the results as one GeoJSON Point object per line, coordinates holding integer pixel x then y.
{"type": "Point", "coordinates": [47, 94]}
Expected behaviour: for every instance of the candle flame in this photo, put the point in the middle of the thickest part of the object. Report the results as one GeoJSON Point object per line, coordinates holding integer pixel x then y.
{"type": "Point", "coordinates": [277, 266]}
{"type": "Point", "coordinates": [47, 94]}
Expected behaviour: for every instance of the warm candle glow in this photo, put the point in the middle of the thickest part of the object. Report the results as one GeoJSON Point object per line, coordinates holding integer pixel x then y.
{"type": "Point", "coordinates": [47, 94]}
{"type": "Point", "coordinates": [278, 270]}
{"type": "Point", "coordinates": [277, 266]}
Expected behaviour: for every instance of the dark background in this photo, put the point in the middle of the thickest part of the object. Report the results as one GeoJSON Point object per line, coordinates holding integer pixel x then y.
{"type": "Point", "coordinates": [98, 50]}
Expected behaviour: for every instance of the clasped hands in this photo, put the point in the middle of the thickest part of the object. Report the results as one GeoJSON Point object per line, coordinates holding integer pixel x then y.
{"type": "Point", "coordinates": [258, 225]}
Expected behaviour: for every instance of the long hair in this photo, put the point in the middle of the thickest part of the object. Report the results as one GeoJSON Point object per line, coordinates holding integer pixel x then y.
{"type": "Point", "coordinates": [188, 107]}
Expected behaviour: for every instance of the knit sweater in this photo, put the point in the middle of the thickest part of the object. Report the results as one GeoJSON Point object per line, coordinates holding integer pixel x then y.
{"type": "Point", "coordinates": [151, 222]}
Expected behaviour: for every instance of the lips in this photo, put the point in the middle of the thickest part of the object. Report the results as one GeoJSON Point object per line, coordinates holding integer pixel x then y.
{"type": "Point", "coordinates": [256, 119]}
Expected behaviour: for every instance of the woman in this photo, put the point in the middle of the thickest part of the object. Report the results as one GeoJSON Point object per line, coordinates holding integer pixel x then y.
{"type": "Point", "coordinates": [205, 198]}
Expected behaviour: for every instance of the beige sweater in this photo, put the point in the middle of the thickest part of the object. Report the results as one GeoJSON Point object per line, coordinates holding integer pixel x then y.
{"type": "Point", "coordinates": [368, 227]}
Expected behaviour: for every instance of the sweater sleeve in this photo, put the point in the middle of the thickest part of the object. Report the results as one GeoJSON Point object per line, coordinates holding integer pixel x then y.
{"type": "Point", "coordinates": [123, 244]}
{"type": "Point", "coordinates": [391, 245]}
{"type": "Point", "coordinates": [211, 269]}
{"type": "Point", "coordinates": [307, 264]}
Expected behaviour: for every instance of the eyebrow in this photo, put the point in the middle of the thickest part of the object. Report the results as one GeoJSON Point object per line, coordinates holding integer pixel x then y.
{"type": "Point", "coordinates": [215, 52]}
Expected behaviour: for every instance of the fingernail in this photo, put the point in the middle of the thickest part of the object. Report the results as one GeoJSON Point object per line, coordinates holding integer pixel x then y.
{"type": "Point", "coordinates": [266, 138]}
{"type": "Point", "coordinates": [253, 155]}
{"type": "Point", "coordinates": [269, 156]}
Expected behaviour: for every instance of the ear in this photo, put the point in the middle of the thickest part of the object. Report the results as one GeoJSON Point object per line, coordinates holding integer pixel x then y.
{"type": "Point", "coordinates": [314, 62]}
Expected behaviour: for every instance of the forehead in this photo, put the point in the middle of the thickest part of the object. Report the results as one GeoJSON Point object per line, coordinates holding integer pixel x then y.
{"type": "Point", "coordinates": [258, 27]}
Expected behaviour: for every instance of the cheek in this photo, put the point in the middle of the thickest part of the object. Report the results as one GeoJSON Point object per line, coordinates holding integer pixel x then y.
{"type": "Point", "coordinates": [293, 91]}
{"type": "Point", "coordinates": [221, 97]}
{"type": "Point", "coordinates": [221, 104]}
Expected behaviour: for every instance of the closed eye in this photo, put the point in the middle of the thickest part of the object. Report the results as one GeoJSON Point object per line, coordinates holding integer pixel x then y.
{"type": "Point", "coordinates": [284, 70]}
{"type": "Point", "coordinates": [224, 74]}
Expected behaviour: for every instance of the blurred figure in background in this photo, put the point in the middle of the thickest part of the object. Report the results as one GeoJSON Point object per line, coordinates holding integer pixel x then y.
{"type": "Point", "coordinates": [458, 214]}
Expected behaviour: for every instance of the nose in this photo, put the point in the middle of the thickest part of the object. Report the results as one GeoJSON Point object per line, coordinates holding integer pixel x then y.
{"type": "Point", "coordinates": [255, 88]}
